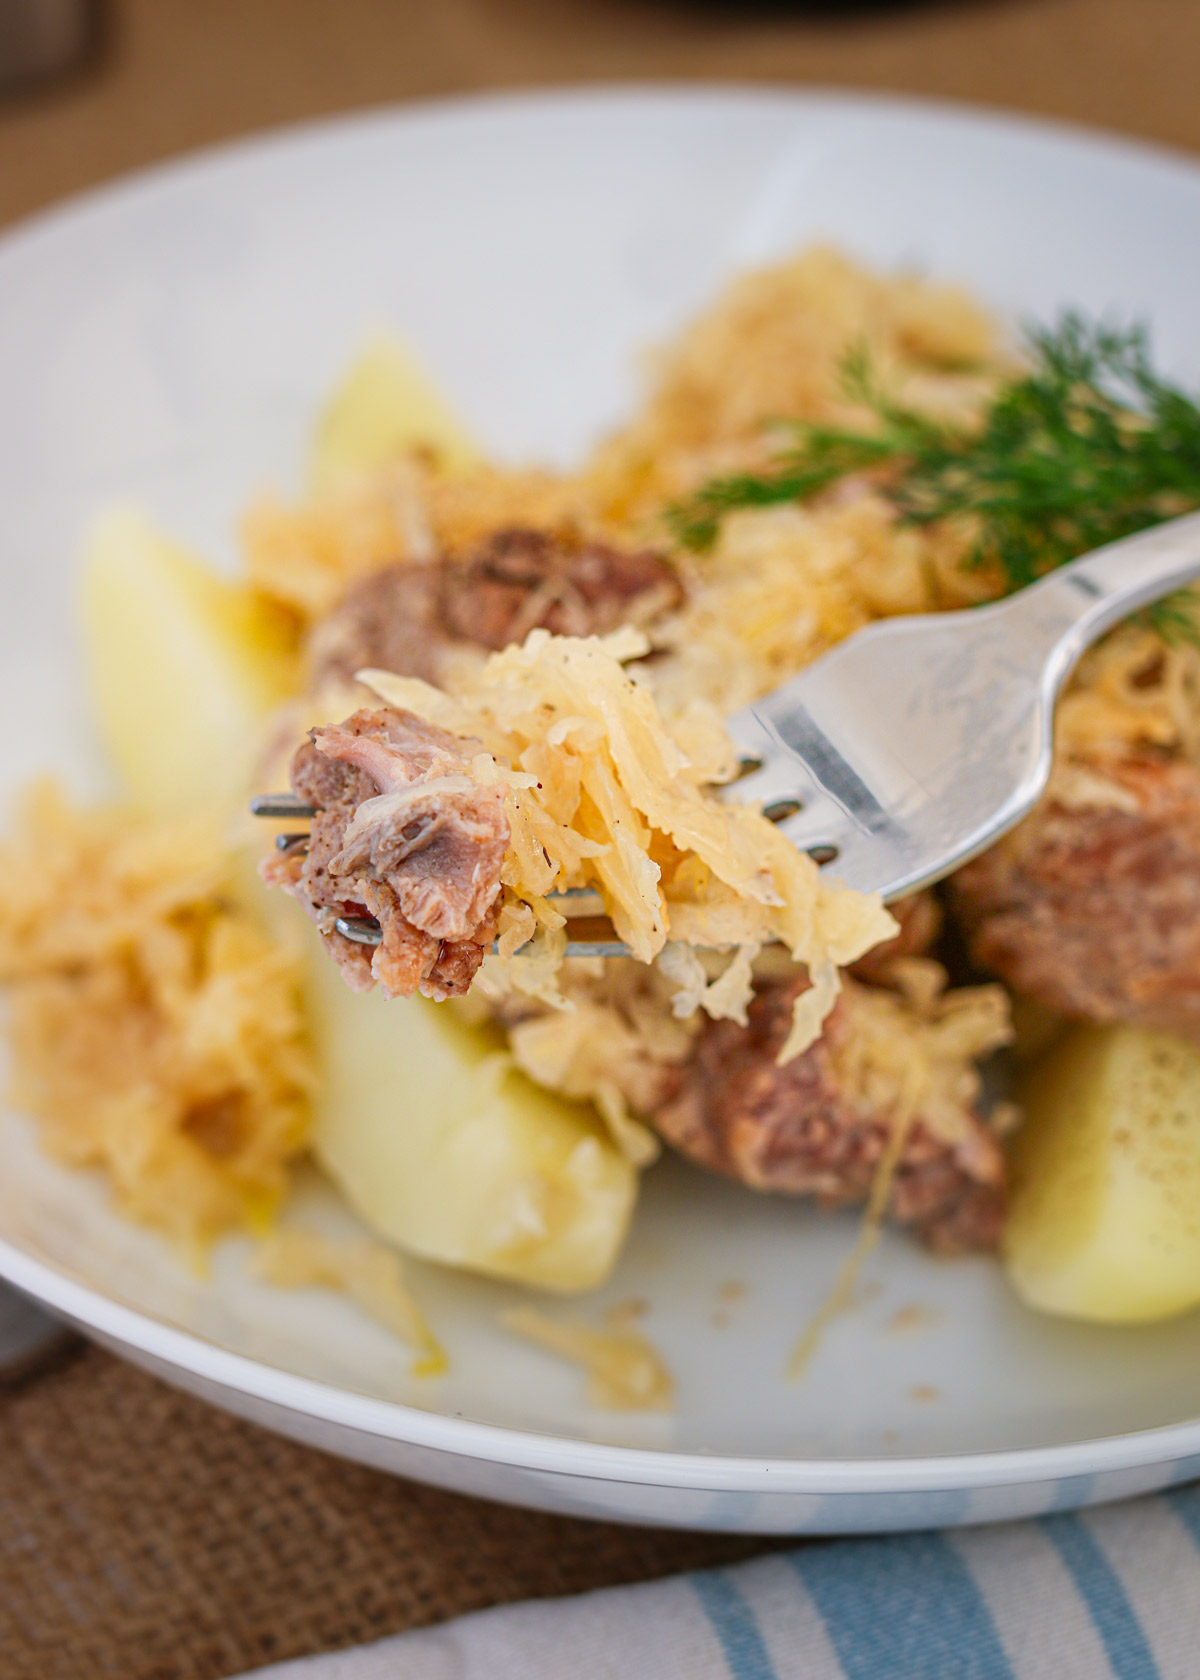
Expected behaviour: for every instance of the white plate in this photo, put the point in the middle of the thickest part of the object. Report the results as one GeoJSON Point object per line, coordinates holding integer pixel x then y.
{"type": "Point", "coordinates": [170, 339]}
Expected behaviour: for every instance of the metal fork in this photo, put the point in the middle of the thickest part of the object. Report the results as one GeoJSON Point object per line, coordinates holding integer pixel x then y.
{"type": "Point", "coordinates": [916, 743]}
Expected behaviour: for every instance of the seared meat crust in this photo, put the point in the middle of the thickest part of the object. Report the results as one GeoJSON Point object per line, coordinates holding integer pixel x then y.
{"type": "Point", "coordinates": [405, 617]}
{"type": "Point", "coordinates": [796, 1128]}
{"type": "Point", "coordinates": [1095, 911]}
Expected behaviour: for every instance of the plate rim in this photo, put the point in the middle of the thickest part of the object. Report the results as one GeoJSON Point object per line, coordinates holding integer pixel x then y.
{"type": "Point", "coordinates": [393, 1420]}
{"type": "Point", "coordinates": [564, 1455]}
{"type": "Point", "coordinates": [275, 138]}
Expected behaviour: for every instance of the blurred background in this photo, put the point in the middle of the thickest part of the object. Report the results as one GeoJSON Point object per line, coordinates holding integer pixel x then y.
{"type": "Point", "coordinates": [90, 88]}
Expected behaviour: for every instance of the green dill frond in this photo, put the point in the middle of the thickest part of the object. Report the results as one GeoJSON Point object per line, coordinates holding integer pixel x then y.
{"type": "Point", "coordinates": [1089, 444]}
{"type": "Point", "coordinates": [801, 474]}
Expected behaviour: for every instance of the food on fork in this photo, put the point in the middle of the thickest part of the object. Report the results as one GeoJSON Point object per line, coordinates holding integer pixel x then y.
{"type": "Point", "coordinates": [499, 683]}
{"type": "Point", "coordinates": [402, 832]}
{"type": "Point", "coordinates": [582, 785]}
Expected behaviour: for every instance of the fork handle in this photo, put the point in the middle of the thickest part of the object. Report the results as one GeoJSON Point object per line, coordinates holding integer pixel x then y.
{"type": "Point", "coordinates": [1073, 606]}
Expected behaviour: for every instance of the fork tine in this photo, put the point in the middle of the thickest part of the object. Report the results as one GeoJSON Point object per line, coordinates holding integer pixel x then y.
{"type": "Point", "coordinates": [791, 798]}
{"type": "Point", "coordinates": [820, 822]}
{"type": "Point", "coordinates": [282, 806]}
{"type": "Point", "coordinates": [578, 901]}
{"type": "Point", "coordinates": [364, 931]}
{"type": "Point", "coordinates": [780, 779]}
{"type": "Point", "coordinates": [815, 830]}
{"type": "Point", "coordinates": [750, 735]}
{"type": "Point", "coordinates": [361, 929]}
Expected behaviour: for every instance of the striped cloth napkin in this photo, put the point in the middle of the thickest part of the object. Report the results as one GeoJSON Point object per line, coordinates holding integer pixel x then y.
{"type": "Point", "coordinates": [1110, 1594]}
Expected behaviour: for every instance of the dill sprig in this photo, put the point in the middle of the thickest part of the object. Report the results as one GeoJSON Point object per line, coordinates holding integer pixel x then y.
{"type": "Point", "coordinates": [1087, 445]}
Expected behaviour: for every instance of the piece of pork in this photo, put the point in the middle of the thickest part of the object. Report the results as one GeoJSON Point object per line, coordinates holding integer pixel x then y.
{"type": "Point", "coordinates": [407, 617]}
{"type": "Point", "coordinates": [390, 621]}
{"type": "Point", "coordinates": [798, 1128]}
{"type": "Point", "coordinates": [402, 833]}
{"type": "Point", "coordinates": [1092, 906]}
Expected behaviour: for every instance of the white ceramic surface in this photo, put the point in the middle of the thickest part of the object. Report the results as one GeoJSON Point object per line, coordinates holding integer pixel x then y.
{"type": "Point", "coordinates": [169, 339]}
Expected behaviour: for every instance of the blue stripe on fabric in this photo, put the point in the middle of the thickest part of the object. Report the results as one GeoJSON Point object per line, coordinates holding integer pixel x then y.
{"type": "Point", "coordinates": [735, 1625]}
{"type": "Point", "coordinates": [1070, 1492]}
{"type": "Point", "coordinates": [904, 1609]}
{"type": "Point", "coordinates": [1185, 1502]}
{"type": "Point", "coordinates": [1099, 1586]}
{"type": "Point", "coordinates": [1185, 1470]}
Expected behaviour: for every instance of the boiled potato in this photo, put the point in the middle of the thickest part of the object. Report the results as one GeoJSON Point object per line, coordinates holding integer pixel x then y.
{"type": "Point", "coordinates": [385, 406]}
{"type": "Point", "coordinates": [183, 667]}
{"type": "Point", "coordinates": [1105, 1220]}
{"type": "Point", "coordinates": [443, 1148]}
{"type": "Point", "coordinates": [448, 1152]}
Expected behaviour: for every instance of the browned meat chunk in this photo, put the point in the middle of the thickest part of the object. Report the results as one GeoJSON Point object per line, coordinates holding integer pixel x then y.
{"type": "Point", "coordinates": [404, 618]}
{"type": "Point", "coordinates": [403, 834]}
{"type": "Point", "coordinates": [391, 621]}
{"type": "Point", "coordinates": [1094, 910]}
{"type": "Point", "coordinates": [799, 1128]}
{"type": "Point", "coordinates": [524, 580]}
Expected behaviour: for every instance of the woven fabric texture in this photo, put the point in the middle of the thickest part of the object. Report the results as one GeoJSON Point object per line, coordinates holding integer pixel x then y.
{"type": "Point", "coordinates": [145, 1536]}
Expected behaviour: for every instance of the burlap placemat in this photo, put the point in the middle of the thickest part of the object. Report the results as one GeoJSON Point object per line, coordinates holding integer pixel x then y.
{"type": "Point", "coordinates": [182, 73]}
{"type": "Point", "coordinates": [146, 1536]}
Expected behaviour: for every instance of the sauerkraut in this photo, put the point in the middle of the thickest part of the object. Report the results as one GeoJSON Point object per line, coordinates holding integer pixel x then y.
{"type": "Point", "coordinates": [602, 793]}
{"type": "Point", "coordinates": [370, 1273]}
{"type": "Point", "coordinates": [624, 1371]}
{"type": "Point", "coordinates": [156, 1029]}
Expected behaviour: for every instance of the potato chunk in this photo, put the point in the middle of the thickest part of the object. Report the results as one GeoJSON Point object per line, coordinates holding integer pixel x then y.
{"type": "Point", "coordinates": [384, 407]}
{"type": "Point", "coordinates": [1105, 1221]}
{"type": "Point", "coordinates": [183, 667]}
{"type": "Point", "coordinates": [450, 1153]}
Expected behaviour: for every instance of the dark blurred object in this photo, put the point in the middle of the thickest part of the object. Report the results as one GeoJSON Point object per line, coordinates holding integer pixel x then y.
{"type": "Point", "coordinates": [805, 11]}
{"type": "Point", "coordinates": [43, 38]}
